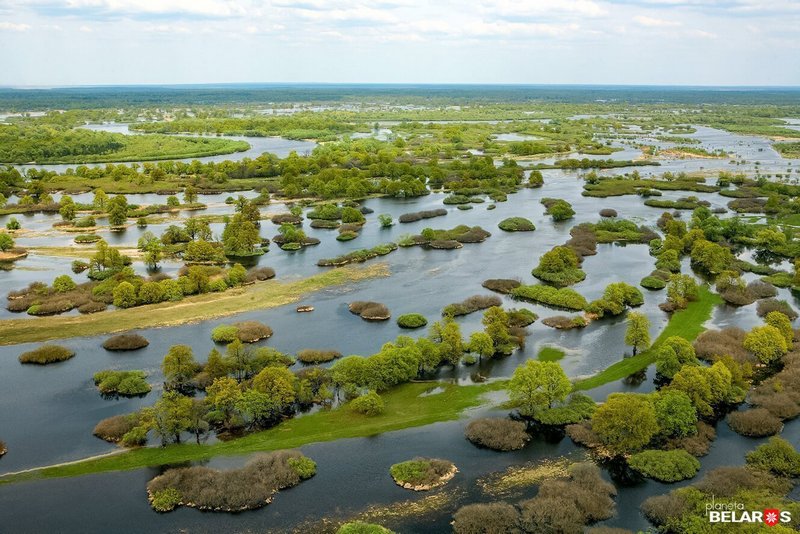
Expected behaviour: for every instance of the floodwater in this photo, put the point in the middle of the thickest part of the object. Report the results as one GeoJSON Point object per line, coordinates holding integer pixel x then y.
{"type": "Point", "coordinates": [47, 413]}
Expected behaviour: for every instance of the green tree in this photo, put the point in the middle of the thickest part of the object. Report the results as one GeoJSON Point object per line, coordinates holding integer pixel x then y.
{"type": "Point", "coordinates": [6, 242]}
{"type": "Point", "coordinates": [13, 224]}
{"type": "Point", "coordinates": [100, 200]}
{"type": "Point", "coordinates": [766, 342]}
{"type": "Point", "coordinates": [278, 383]}
{"type": "Point", "coordinates": [626, 422]}
{"type": "Point", "coordinates": [169, 416]}
{"type": "Point", "coordinates": [385, 220]}
{"type": "Point", "coordinates": [536, 386]}
{"type": "Point", "coordinates": [124, 295]}
{"type": "Point", "coordinates": [675, 413]}
{"type": "Point", "coordinates": [118, 211]}
{"type": "Point", "coordinates": [223, 395]}
{"type": "Point", "coordinates": [638, 333]}
{"type": "Point", "coordinates": [151, 247]}
{"type": "Point", "coordinates": [240, 236]}
{"type": "Point", "coordinates": [481, 344]}
{"type": "Point", "coordinates": [190, 194]}
{"type": "Point", "coordinates": [783, 324]}
{"type": "Point", "coordinates": [495, 325]}
{"type": "Point", "coordinates": [67, 208]}
{"type": "Point", "coordinates": [64, 283]}
{"type": "Point", "coordinates": [179, 366]}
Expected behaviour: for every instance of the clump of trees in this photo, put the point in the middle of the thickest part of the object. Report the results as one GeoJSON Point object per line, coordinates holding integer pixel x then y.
{"type": "Point", "coordinates": [46, 354]}
{"type": "Point", "coordinates": [124, 342]}
{"type": "Point", "coordinates": [122, 383]}
{"type": "Point", "coordinates": [560, 267]}
{"type": "Point", "coordinates": [539, 391]}
{"type": "Point", "coordinates": [497, 433]}
{"type": "Point", "coordinates": [615, 300]}
{"type": "Point", "coordinates": [250, 487]}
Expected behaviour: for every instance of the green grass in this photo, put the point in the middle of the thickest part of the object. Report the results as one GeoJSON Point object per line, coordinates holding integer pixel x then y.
{"type": "Point", "coordinates": [405, 408]}
{"type": "Point", "coordinates": [261, 295]}
{"type": "Point", "coordinates": [550, 354]}
{"type": "Point", "coordinates": [687, 323]}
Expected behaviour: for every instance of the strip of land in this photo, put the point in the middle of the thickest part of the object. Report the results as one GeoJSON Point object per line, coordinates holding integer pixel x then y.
{"type": "Point", "coordinates": [405, 408]}
{"type": "Point", "coordinates": [258, 296]}
{"type": "Point", "coordinates": [686, 323]}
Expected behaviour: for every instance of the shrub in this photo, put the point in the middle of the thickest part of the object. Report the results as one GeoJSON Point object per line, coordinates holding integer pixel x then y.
{"type": "Point", "coordinates": [728, 481]}
{"type": "Point", "coordinates": [651, 282]}
{"type": "Point", "coordinates": [728, 341]}
{"type": "Point", "coordinates": [317, 356]}
{"type": "Point", "coordinates": [64, 283]}
{"type": "Point", "coordinates": [286, 218]}
{"type": "Point", "coordinates": [559, 209]}
{"type": "Point", "coordinates": [516, 224]}
{"type": "Point", "coordinates": [419, 215]}
{"type": "Point", "coordinates": [370, 311]}
{"type": "Point", "coordinates": [422, 473]}
{"type": "Point", "coordinates": [564, 322]}
{"type": "Point", "coordinates": [608, 212]}
{"type": "Point", "coordinates": [489, 518]}
{"type": "Point", "coordinates": [411, 320]}
{"type": "Point", "coordinates": [660, 509]}
{"type": "Point", "coordinates": [770, 305]}
{"type": "Point", "coordinates": [497, 433]}
{"type": "Point", "coordinates": [79, 266]}
{"type": "Point", "coordinates": [259, 274]}
{"type": "Point", "coordinates": [756, 422]}
{"type": "Point", "coordinates": [113, 428]}
{"type": "Point", "coordinates": [324, 223]}
{"type": "Point", "coordinates": [46, 354]}
{"type": "Point", "coordinates": [559, 267]}
{"type": "Point", "coordinates": [358, 527]}
{"type": "Point", "coordinates": [304, 467]}
{"type": "Point", "coordinates": [124, 383]}
{"type": "Point", "coordinates": [697, 444]}
{"type": "Point", "coordinates": [777, 456]}
{"type": "Point", "coordinates": [665, 466]}
{"type": "Point", "coordinates": [165, 500]}
{"type": "Point", "coordinates": [501, 285]}
{"type": "Point", "coordinates": [370, 404]}
{"type": "Point", "coordinates": [520, 317]}
{"type": "Point", "coordinates": [761, 290]}
{"type": "Point", "coordinates": [252, 331]}
{"type": "Point", "coordinates": [224, 333]}
{"type": "Point", "coordinates": [92, 307]}
{"type": "Point", "coordinates": [471, 304]}
{"type": "Point", "coordinates": [240, 489]}
{"type": "Point", "coordinates": [551, 296]}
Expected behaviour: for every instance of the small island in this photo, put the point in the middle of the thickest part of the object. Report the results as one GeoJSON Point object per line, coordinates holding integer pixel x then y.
{"type": "Point", "coordinates": [423, 474]}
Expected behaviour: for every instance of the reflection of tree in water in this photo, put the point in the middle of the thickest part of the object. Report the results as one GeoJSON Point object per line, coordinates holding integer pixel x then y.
{"type": "Point", "coordinates": [636, 378]}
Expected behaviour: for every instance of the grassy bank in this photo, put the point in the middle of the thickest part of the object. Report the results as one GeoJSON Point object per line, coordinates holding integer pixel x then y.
{"type": "Point", "coordinates": [405, 408]}
{"type": "Point", "coordinates": [687, 323]}
{"type": "Point", "coordinates": [191, 309]}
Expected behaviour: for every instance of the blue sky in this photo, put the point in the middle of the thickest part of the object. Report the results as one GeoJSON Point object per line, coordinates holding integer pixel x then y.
{"type": "Point", "coordinates": [663, 42]}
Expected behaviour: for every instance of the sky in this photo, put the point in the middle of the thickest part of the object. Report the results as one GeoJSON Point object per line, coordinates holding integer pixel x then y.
{"type": "Point", "coordinates": [643, 42]}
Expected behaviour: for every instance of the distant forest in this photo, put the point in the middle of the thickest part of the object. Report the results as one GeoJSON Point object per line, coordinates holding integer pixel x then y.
{"type": "Point", "coordinates": [14, 99]}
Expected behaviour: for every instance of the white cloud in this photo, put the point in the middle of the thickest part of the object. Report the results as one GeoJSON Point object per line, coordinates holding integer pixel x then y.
{"type": "Point", "coordinates": [14, 27]}
{"type": "Point", "coordinates": [652, 22]}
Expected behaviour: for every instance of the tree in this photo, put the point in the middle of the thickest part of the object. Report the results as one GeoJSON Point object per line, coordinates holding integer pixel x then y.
{"type": "Point", "coordinates": [766, 342]}
{"type": "Point", "coordinates": [638, 332]}
{"type": "Point", "coordinates": [151, 246]}
{"type": "Point", "coordinates": [215, 367]}
{"type": "Point", "coordinates": [179, 366]}
{"type": "Point", "coordinates": [481, 344]}
{"type": "Point", "coordinates": [536, 386]}
{"type": "Point", "coordinates": [783, 324]}
{"type": "Point", "coordinates": [626, 422]}
{"type": "Point", "coordinates": [198, 419]}
{"type": "Point", "coordinates": [258, 407]}
{"type": "Point", "coordinates": [240, 236]}
{"type": "Point", "coordinates": [239, 359]}
{"type": "Point", "coordinates": [223, 395]}
{"type": "Point", "coordinates": [675, 413]}
{"type": "Point", "coordinates": [118, 211]}
{"type": "Point", "coordinates": [495, 324]}
{"type": "Point", "coordinates": [681, 289]}
{"type": "Point", "coordinates": [6, 242]}
{"type": "Point", "coordinates": [124, 295]}
{"type": "Point", "coordinates": [67, 208]}
{"type": "Point", "coordinates": [278, 383]}
{"type": "Point", "coordinates": [451, 343]}
{"type": "Point", "coordinates": [13, 224]}
{"type": "Point", "coordinates": [711, 257]}
{"type": "Point", "coordinates": [100, 200]}
{"type": "Point", "coordinates": [190, 194]}
{"type": "Point", "coordinates": [64, 283]}
{"type": "Point", "coordinates": [169, 416]}
{"type": "Point", "coordinates": [385, 220]}
{"type": "Point", "coordinates": [198, 228]}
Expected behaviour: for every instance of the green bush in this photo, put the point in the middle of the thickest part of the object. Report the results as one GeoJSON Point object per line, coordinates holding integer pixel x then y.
{"type": "Point", "coordinates": [368, 404]}
{"type": "Point", "coordinates": [224, 333]}
{"type": "Point", "coordinates": [551, 296]}
{"type": "Point", "coordinates": [124, 383]}
{"type": "Point", "coordinates": [411, 320]}
{"type": "Point", "coordinates": [318, 356]}
{"type": "Point", "coordinates": [665, 466]}
{"type": "Point", "coordinates": [516, 224]}
{"type": "Point", "coordinates": [421, 471]}
{"type": "Point", "coordinates": [777, 456]}
{"type": "Point", "coordinates": [304, 466]}
{"type": "Point", "coordinates": [46, 354]}
{"type": "Point", "coordinates": [165, 500]}
{"type": "Point", "coordinates": [359, 527]}
{"type": "Point", "coordinates": [64, 283]}
{"type": "Point", "coordinates": [578, 408]}
{"type": "Point", "coordinates": [651, 282]}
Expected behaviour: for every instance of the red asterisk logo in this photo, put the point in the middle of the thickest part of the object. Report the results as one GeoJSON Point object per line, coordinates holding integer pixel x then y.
{"type": "Point", "coordinates": [772, 516]}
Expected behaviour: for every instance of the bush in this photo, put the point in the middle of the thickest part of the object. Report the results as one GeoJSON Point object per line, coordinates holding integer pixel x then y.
{"type": "Point", "coordinates": [660, 509]}
{"type": "Point", "coordinates": [419, 215]}
{"type": "Point", "coordinates": [124, 383]}
{"type": "Point", "coordinates": [489, 518]}
{"type": "Point", "coordinates": [411, 320]}
{"type": "Point", "coordinates": [770, 305]}
{"type": "Point", "coordinates": [252, 331]}
{"type": "Point", "coordinates": [64, 283]}
{"type": "Point", "coordinates": [761, 290]}
{"type": "Point", "coordinates": [497, 433]}
{"type": "Point", "coordinates": [85, 239]}
{"type": "Point", "coordinates": [520, 317]}
{"type": "Point", "coordinates": [165, 500]}
{"type": "Point", "coordinates": [559, 267]}
{"type": "Point", "coordinates": [516, 224]}
{"type": "Point", "coordinates": [698, 444]}
{"type": "Point", "coordinates": [370, 311]}
{"type": "Point", "coordinates": [777, 456]}
{"type": "Point", "coordinates": [471, 304]}
{"type": "Point", "coordinates": [422, 473]}
{"type": "Point", "coordinates": [113, 428]}
{"type": "Point", "coordinates": [317, 356]}
{"type": "Point", "coordinates": [125, 342]}
{"type": "Point", "coordinates": [46, 354]}
{"type": "Point", "coordinates": [551, 296]}
{"type": "Point", "coordinates": [651, 282]}
{"type": "Point", "coordinates": [712, 344]}
{"type": "Point", "coordinates": [665, 466]}
{"type": "Point", "coordinates": [92, 307]}
{"type": "Point", "coordinates": [501, 285]}
{"type": "Point", "coordinates": [756, 422]}
{"type": "Point", "coordinates": [565, 322]}
{"type": "Point", "coordinates": [359, 527]}
{"type": "Point", "coordinates": [224, 333]}
{"type": "Point", "coordinates": [240, 489]}
{"type": "Point", "coordinates": [608, 212]}
{"type": "Point", "coordinates": [370, 404]}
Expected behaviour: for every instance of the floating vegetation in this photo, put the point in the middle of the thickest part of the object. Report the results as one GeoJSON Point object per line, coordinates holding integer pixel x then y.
{"type": "Point", "coordinates": [519, 477]}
